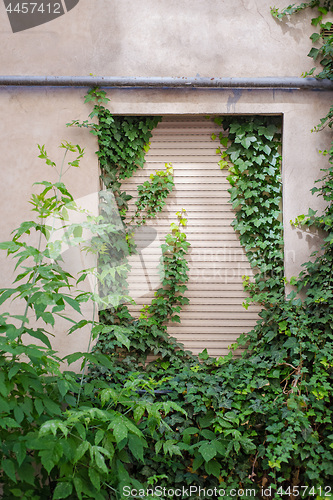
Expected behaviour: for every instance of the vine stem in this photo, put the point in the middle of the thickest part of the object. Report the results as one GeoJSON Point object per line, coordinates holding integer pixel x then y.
{"type": "Point", "coordinates": [88, 350]}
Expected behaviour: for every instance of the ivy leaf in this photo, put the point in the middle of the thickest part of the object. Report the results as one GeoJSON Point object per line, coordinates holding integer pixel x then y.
{"type": "Point", "coordinates": [223, 140]}
{"type": "Point", "coordinates": [267, 149]}
{"type": "Point", "coordinates": [314, 53]}
{"type": "Point", "coordinates": [315, 37]}
{"type": "Point", "coordinates": [246, 142]}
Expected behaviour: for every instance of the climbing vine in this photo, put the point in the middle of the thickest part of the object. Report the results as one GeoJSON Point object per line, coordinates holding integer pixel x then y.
{"type": "Point", "coordinates": [152, 195]}
{"type": "Point", "coordinates": [123, 142]}
{"type": "Point", "coordinates": [256, 195]}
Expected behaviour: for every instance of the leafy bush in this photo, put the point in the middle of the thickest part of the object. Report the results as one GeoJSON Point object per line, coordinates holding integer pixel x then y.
{"type": "Point", "coordinates": [61, 438]}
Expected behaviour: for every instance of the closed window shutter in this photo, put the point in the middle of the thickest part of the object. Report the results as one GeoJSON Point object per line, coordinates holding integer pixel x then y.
{"type": "Point", "coordinates": [215, 316]}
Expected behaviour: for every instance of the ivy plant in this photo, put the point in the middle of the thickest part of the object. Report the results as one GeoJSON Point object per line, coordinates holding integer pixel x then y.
{"type": "Point", "coordinates": [256, 195]}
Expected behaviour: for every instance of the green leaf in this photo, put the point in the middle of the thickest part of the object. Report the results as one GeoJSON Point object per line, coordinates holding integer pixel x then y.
{"type": "Point", "coordinates": [20, 451]}
{"type": "Point", "coordinates": [77, 232]}
{"type": "Point", "coordinates": [100, 462]}
{"type": "Point", "coordinates": [40, 335]}
{"type": "Point", "coordinates": [4, 407]}
{"type": "Point", "coordinates": [119, 430]}
{"type": "Point", "coordinates": [78, 325]}
{"type": "Point", "coordinates": [63, 490]}
{"type": "Point", "coordinates": [208, 451]}
{"type": "Point", "coordinates": [73, 303]}
{"type": "Point", "coordinates": [204, 355]}
{"type": "Point", "coordinates": [9, 469]}
{"type": "Point", "coordinates": [213, 468]}
{"type": "Point", "coordinates": [6, 293]}
{"type": "Point", "coordinates": [119, 333]}
{"type": "Point", "coordinates": [8, 423]}
{"type": "Point", "coordinates": [314, 53]}
{"type": "Point", "coordinates": [99, 436]}
{"type": "Point", "coordinates": [95, 478]}
{"type": "Point", "coordinates": [267, 149]}
{"type": "Point", "coordinates": [10, 246]}
{"type": "Point", "coordinates": [79, 487]}
{"type": "Point", "coordinates": [13, 371]}
{"type": "Point", "coordinates": [315, 37]}
{"type": "Point", "coordinates": [188, 432]}
{"type": "Point", "coordinates": [62, 386]}
{"type": "Point", "coordinates": [135, 445]}
{"type": "Point", "coordinates": [223, 140]}
{"type": "Point", "coordinates": [138, 412]}
{"type": "Point", "coordinates": [81, 450]}
{"type": "Point", "coordinates": [170, 446]}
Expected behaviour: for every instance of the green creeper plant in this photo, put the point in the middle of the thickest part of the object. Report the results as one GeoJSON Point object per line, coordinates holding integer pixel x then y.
{"type": "Point", "coordinates": [152, 195]}
{"type": "Point", "coordinates": [123, 142]}
{"type": "Point", "coordinates": [256, 195]}
{"type": "Point", "coordinates": [120, 159]}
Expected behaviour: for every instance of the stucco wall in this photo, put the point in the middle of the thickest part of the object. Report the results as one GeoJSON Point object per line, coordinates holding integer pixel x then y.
{"type": "Point", "coordinates": [156, 38]}
{"type": "Point", "coordinates": [160, 38]}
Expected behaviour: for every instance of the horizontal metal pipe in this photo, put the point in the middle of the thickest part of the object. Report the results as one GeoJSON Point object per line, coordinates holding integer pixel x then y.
{"type": "Point", "coordinates": [167, 82]}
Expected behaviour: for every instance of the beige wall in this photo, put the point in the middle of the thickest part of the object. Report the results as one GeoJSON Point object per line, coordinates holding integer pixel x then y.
{"type": "Point", "coordinates": [161, 38]}
{"type": "Point", "coordinates": [156, 38]}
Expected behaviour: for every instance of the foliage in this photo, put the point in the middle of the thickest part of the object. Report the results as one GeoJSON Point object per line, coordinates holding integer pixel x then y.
{"type": "Point", "coordinates": [322, 40]}
{"type": "Point", "coordinates": [261, 422]}
{"type": "Point", "coordinates": [61, 438]}
{"type": "Point", "coordinates": [123, 142]}
{"type": "Point", "coordinates": [152, 195]}
{"type": "Point", "coordinates": [148, 334]}
{"type": "Point", "coordinates": [256, 195]}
